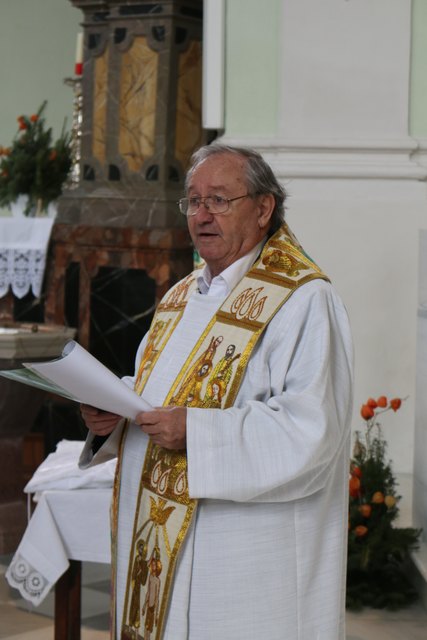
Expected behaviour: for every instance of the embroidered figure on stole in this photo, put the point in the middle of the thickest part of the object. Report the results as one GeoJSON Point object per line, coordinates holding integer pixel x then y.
{"type": "Point", "coordinates": [139, 578]}
{"type": "Point", "coordinates": [151, 351]}
{"type": "Point", "coordinates": [150, 608]}
{"type": "Point", "coordinates": [219, 379]}
{"type": "Point", "coordinates": [151, 569]}
{"type": "Point", "coordinates": [188, 394]}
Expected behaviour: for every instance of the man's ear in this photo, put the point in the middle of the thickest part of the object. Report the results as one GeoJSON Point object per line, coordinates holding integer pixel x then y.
{"type": "Point", "coordinates": [266, 205]}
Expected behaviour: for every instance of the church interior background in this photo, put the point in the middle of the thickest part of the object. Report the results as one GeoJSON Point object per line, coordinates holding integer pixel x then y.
{"type": "Point", "coordinates": [333, 94]}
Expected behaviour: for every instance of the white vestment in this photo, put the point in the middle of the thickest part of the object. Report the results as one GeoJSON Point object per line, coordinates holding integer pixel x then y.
{"type": "Point", "coordinates": [265, 557]}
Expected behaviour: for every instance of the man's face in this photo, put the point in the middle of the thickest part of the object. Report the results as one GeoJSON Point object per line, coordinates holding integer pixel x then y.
{"type": "Point", "coordinates": [223, 239]}
{"type": "Point", "coordinates": [204, 370]}
{"type": "Point", "coordinates": [230, 350]}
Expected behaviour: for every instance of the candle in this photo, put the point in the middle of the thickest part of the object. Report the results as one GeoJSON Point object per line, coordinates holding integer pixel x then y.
{"type": "Point", "coordinates": [78, 67]}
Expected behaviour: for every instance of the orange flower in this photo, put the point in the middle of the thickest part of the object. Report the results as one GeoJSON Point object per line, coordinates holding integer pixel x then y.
{"type": "Point", "coordinates": [382, 402]}
{"type": "Point", "coordinates": [378, 497]}
{"type": "Point", "coordinates": [22, 125]}
{"type": "Point", "coordinates": [365, 510]}
{"type": "Point", "coordinates": [52, 155]}
{"type": "Point", "coordinates": [34, 117]}
{"type": "Point", "coordinates": [356, 471]}
{"type": "Point", "coordinates": [395, 403]}
{"type": "Point", "coordinates": [360, 531]}
{"type": "Point", "coordinates": [372, 403]}
{"type": "Point", "coordinates": [354, 487]}
{"type": "Point", "coordinates": [389, 501]}
{"type": "Point", "coordinates": [366, 412]}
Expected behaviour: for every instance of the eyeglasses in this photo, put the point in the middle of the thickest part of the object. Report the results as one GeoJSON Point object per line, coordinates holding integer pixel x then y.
{"type": "Point", "coordinates": [216, 205]}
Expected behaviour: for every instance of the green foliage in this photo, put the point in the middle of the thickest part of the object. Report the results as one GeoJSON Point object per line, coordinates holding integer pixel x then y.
{"type": "Point", "coordinates": [377, 551]}
{"type": "Point", "coordinates": [34, 165]}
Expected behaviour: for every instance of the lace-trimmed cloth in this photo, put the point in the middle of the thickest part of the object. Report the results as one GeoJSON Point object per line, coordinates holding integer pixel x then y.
{"type": "Point", "coordinates": [66, 524]}
{"type": "Point", "coordinates": [23, 249]}
{"type": "Point", "coordinates": [32, 585]}
{"type": "Point", "coordinates": [71, 521]}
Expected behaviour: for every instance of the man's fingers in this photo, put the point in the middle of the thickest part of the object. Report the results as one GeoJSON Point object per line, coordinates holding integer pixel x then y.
{"type": "Point", "coordinates": [150, 429]}
{"type": "Point", "coordinates": [148, 417]}
{"type": "Point", "coordinates": [97, 415]}
{"type": "Point", "coordinates": [87, 410]}
{"type": "Point", "coordinates": [98, 421]}
{"type": "Point", "coordinates": [166, 426]}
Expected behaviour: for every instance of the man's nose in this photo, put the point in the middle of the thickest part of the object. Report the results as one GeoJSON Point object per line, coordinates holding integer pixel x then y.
{"type": "Point", "coordinates": [203, 212]}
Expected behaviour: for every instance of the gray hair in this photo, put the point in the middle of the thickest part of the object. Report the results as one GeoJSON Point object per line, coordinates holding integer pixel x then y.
{"type": "Point", "coordinates": [259, 176]}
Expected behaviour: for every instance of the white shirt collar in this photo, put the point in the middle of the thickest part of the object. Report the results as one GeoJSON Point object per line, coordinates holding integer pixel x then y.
{"type": "Point", "coordinates": [224, 283]}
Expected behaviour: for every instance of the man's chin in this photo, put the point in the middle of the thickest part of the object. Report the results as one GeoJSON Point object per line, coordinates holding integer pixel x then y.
{"type": "Point", "coordinates": [209, 248]}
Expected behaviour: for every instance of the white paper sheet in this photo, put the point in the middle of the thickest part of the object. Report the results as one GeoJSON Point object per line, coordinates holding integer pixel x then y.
{"type": "Point", "coordinates": [79, 376]}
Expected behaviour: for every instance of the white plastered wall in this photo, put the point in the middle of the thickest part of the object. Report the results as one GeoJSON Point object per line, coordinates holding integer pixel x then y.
{"type": "Point", "coordinates": [354, 175]}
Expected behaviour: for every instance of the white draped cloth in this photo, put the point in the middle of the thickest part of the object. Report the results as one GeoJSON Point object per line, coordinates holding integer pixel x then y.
{"type": "Point", "coordinates": [23, 249]}
{"type": "Point", "coordinates": [71, 521]}
{"type": "Point", "coordinates": [265, 556]}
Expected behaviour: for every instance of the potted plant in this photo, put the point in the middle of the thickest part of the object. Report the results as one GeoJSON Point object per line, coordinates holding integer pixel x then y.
{"type": "Point", "coordinates": [377, 550]}
{"type": "Point", "coordinates": [34, 168]}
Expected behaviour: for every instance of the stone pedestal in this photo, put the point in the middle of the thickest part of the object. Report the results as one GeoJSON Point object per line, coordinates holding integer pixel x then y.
{"type": "Point", "coordinates": [119, 241]}
{"type": "Point", "coordinates": [141, 111]}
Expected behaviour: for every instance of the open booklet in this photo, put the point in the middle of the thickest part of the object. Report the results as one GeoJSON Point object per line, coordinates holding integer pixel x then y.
{"type": "Point", "coordinates": [78, 376]}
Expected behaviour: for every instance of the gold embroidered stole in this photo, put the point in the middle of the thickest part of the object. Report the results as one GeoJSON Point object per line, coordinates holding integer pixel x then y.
{"type": "Point", "coordinates": [210, 378]}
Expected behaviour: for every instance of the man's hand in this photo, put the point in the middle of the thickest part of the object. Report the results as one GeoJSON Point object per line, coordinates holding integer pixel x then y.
{"type": "Point", "coordinates": [166, 426]}
{"type": "Point", "coordinates": [101, 423]}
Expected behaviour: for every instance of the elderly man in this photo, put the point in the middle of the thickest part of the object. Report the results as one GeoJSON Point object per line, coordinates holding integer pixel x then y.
{"type": "Point", "coordinates": [236, 484]}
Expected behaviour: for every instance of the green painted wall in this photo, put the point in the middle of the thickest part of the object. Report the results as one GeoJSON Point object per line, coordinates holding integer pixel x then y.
{"type": "Point", "coordinates": [37, 51]}
{"type": "Point", "coordinates": [418, 93]}
{"type": "Point", "coordinates": [252, 67]}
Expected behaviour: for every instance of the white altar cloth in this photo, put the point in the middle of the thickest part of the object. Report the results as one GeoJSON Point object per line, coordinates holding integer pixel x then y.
{"type": "Point", "coordinates": [70, 522]}
{"type": "Point", "coordinates": [60, 470]}
{"type": "Point", "coordinates": [23, 249]}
